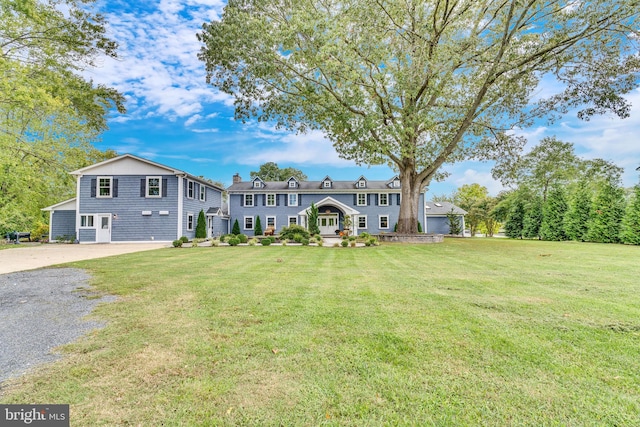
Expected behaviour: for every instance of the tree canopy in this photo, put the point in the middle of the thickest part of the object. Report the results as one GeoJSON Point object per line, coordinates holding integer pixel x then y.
{"type": "Point", "coordinates": [50, 114]}
{"type": "Point", "coordinates": [270, 171]}
{"type": "Point", "coordinates": [420, 83]}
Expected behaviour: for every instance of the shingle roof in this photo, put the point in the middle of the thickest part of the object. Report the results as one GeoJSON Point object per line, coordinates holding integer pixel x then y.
{"type": "Point", "coordinates": [247, 186]}
{"type": "Point", "coordinates": [432, 208]}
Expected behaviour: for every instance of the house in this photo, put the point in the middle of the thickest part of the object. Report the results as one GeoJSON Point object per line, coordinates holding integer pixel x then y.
{"type": "Point", "coordinates": [372, 206]}
{"type": "Point", "coordinates": [131, 199]}
{"type": "Point", "coordinates": [436, 219]}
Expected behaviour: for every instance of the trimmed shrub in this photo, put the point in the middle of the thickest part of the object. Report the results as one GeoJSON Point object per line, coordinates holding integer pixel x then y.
{"type": "Point", "coordinates": [177, 243]}
{"type": "Point", "coordinates": [353, 243]}
{"type": "Point", "coordinates": [201, 226]}
{"type": "Point", "coordinates": [243, 238]}
{"type": "Point", "coordinates": [265, 242]}
{"type": "Point", "coordinates": [184, 239]}
{"type": "Point", "coordinates": [290, 231]}
{"type": "Point", "coordinates": [236, 228]}
{"type": "Point", "coordinates": [344, 243]}
{"type": "Point", "coordinates": [215, 243]}
{"type": "Point", "coordinates": [305, 242]}
{"type": "Point", "coordinates": [298, 238]}
{"type": "Point", "coordinates": [253, 242]}
{"type": "Point", "coordinates": [257, 229]}
{"type": "Point", "coordinates": [234, 241]}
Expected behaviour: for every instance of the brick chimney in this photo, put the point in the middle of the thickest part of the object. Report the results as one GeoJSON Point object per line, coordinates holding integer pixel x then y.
{"type": "Point", "coordinates": [236, 178]}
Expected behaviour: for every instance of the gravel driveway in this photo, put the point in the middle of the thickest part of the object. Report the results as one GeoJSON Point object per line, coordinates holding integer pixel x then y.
{"type": "Point", "coordinates": [40, 310]}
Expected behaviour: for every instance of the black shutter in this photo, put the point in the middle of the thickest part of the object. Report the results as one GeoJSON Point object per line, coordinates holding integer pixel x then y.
{"type": "Point", "coordinates": [398, 199]}
{"type": "Point", "coordinates": [264, 199]}
{"type": "Point", "coordinates": [115, 188]}
{"type": "Point", "coordinates": [94, 183]}
{"type": "Point", "coordinates": [242, 200]}
{"type": "Point", "coordinates": [277, 200]}
{"type": "Point", "coordinates": [164, 187]}
{"type": "Point", "coordinates": [286, 199]}
{"type": "Point", "coordinates": [299, 199]}
{"type": "Point", "coordinates": [143, 184]}
{"type": "Point", "coordinates": [377, 201]}
{"type": "Point", "coordinates": [368, 199]}
{"type": "Point", "coordinates": [355, 199]}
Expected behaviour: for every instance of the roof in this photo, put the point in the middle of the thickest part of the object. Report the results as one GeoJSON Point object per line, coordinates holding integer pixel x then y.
{"type": "Point", "coordinates": [67, 205]}
{"type": "Point", "coordinates": [442, 208]}
{"type": "Point", "coordinates": [283, 186]}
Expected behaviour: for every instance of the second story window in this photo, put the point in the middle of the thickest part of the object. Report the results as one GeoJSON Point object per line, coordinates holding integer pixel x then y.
{"type": "Point", "coordinates": [383, 199]}
{"type": "Point", "coordinates": [203, 193]}
{"type": "Point", "coordinates": [104, 186]}
{"type": "Point", "coordinates": [362, 199]}
{"type": "Point", "coordinates": [248, 200]}
{"type": "Point", "coordinates": [293, 199]}
{"type": "Point", "coordinates": [190, 189]}
{"type": "Point", "coordinates": [271, 199]}
{"type": "Point", "coordinates": [154, 184]}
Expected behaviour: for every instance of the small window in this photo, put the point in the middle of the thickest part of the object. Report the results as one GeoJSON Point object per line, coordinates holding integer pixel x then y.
{"type": "Point", "coordinates": [396, 183]}
{"type": "Point", "coordinates": [293, 220]}
{"type": "Point", "coordinates": [154, 186]}
{"type": "Point", "coordinates": [190, 189]}
{"type": "Point", "coordinates": [189, 222]}
{"type": "Point", "coordinates": [362, 199]}
{"type": "Point", "coordinates": [326, 184]}
{"type": "Point", "coordinates": [203, 193]}
{"type": "Point", "coordinates": [257, 184]}
{"type": "Point", "coordinates": [271, 199]}
{"type": "Point", "coordinates": [86, 221]}
{"type": "Point", "coordinates": [293, 199]}
{"type": "Point", "coordinates": [248, 223]}
{"type": "Point", "coordinates": [248, 200]}
{"type": "Point", "coordinates": [271, 222]}
{"type": "Point", "coordinates": [104, 186]}
{"type": "Point", "coordinates": [362, 183]}
{"type": "Point", "coordinates": [383, 199]}
{"type": "Point", "coordinates": [292, 184]}
{"type": "Point", "coordinates": [384, 222]}
{"type": "Point", "coordinates": [362, 221]}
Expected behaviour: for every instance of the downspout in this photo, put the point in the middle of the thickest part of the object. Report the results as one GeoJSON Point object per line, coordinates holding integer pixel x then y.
{"type": "Point", "coordinates": [78, 199]}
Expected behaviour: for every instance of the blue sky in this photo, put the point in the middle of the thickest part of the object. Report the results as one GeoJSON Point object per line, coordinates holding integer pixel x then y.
{"type": "Point", "coordinates": [175, 118]}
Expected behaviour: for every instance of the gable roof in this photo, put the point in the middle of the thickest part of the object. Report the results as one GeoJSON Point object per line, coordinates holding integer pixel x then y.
{"type": "Point", "coordinates": [67, 205]}
{"type": "Point", "coordinates": [313, 186]}
{"type": "Point", "coordinates": [432, 208]}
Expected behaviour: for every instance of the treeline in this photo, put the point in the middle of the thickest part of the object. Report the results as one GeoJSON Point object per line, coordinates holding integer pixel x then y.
{"type": "Point", "coordinates": [555, 196]}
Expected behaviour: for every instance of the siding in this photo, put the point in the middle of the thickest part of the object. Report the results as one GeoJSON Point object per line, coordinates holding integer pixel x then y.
{"type": "Point", "coordinates": [63, 225]}
{"type": "Point", "coordinates": [213, 198]}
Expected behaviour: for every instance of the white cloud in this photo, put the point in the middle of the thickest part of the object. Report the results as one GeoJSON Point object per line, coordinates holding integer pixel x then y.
{"type": "Point", "coordinates": [210, 130]}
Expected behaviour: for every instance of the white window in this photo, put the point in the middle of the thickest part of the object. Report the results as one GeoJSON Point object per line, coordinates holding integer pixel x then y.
{"type": "Point", "coordinates": [248, 200]}
{"type": "Point", "coordinates": [271, 199]}
{"type": "Point", "coordinates": [190, 189]}
{"type": "Point", "coordinates": [257, 184]}
{"type": "Point", "coordinates": [203, 193]}
{"type": "Point", "coordinates": [362, 221]}
{"type": "Point", "coordinates": [383, 222]}
{"type": "Point", "coordinates": [383, 199]}
{"type": "Point", "coordinates": [293, 199]}
{"type": "Point", "coordinates": [189, 221]}
{"type": "Point", "coordinates": [271, 222]}
{"type": "Point", "coordinates": [362, 199]}
{"type": "Point", "coordinates": [248, 223]}
{"type": "Point", "coordinates": [154, 186]}
{"type": "Point", "coordinates": [396, 183]}
{"type": "Point", "coordinates": [104, 186]}
{"type": "Point", "coordinates": [326, 184]}
{"type": "Point", "coordinates": [86, 221]}
{"type": "Point", "coordinates": [292, 184]}
{"type": "Point", "coordinates": [362, 183]}
{"type": "Point", "coordinates": [293, 220]}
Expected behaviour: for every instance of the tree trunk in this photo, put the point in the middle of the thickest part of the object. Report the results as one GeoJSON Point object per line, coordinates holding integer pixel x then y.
{"type": "Point", "coordinates": [410, 191]}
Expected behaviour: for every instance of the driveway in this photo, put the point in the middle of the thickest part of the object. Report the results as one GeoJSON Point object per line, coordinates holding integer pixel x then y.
{"type": "Point", "coordinates": [31, 256]}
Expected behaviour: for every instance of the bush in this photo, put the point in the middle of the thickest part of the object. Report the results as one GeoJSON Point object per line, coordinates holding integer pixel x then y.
{"type": "Point", "coordinates": [353, 243]}
{"type": "Point", "coordinates": [367, 243]}
{"type": "Point", "coordinates": [365, 235]}
{"type": "Point", "coordinates": [298, 238]}
{"type": "Point", "coordinates": [266, 241]}
{"type": "Point", "coordinates": [243, 238]}
{"type": "Point", "coordinates": [184, 239]}
{"type": "Point", "coordinates": [201, 226]}
{"type": "Point", "coordinates": [225, 237]}
{"type": "Point", "coordinates": [177, 243]}
{"type": "Point", "coordinates": [234, 241]}
{"type": "Point", "coordinates": [196, 242]}
{"type": "Point", "coordinates": [253, 242]}
{"type": "Point", "coordinates": [215, 243]}
{"type": "Point", "coordinates": [305, 242]}
{"type": "Point", "coordinates": [344, 243]}
{"type": "Point", "coordinates": [336, 245]}
{"type": "Point", "coordinates": [290, 232]}
{"type": "Point", "coordinates": [236, 228]}
{"type": "Point", "coordinates": [352, 238]}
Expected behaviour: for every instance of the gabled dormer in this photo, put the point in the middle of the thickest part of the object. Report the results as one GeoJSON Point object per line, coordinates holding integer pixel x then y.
{"type": "Point", "coordinates": [394, 182]}
{"type": "Point", "coordinates": [326, 182]}
{"type": "Point", "coordinates": [361, 182]}
{"type": "Point", "coordinates": [257, 183]}
{"type": "Point", "coordinates": [292, 183]}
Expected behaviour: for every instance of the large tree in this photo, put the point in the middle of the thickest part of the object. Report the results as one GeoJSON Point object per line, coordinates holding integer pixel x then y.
{"type": "Point", "coordinates": [270, 171]}
{"type": "Point", "coordinates": [50, 114]}
{"type": "Point", "coordinates": [471, 198]}
{"type": "Point", "coordinates": [418, 83]}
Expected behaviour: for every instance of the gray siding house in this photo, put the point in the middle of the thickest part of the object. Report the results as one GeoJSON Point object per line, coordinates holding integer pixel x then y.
{"type": "Point", "coordinates": [436, 220]}
{"type": "Point", "coordinates": [372, 206]}
{"type": "Point", "coordinates": [130, 199]}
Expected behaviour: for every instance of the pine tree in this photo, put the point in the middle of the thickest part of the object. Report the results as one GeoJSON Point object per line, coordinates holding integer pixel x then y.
{"type": "Point", "coordinates": [514, 224]}
{"type": "Point", "coordinates": [236, 228]}
{"type": "Point", "coordinates": [532, 219]}
{"type": "Point", "coordinates": [201, 226]}
{"type": "Point", "coordinates": [576, 221]}
{"type": "Point", "coordinates": [553, 212]}
{"type": "Point", "coordinates": [631, 222]}
{"type": "Point", "coordinates": [257, 229]}
{"type": "Point", "coordinates": [607, 214]}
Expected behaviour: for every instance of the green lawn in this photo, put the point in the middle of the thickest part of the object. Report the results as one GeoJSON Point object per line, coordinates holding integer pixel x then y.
{"type": "Point", "coordinates": [469, 332]}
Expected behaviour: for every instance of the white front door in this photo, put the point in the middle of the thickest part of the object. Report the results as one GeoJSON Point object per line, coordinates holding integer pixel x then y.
{"type": "Point", "coordinates": [328, 224]}
{"type": "Point", "coordinates": [103, 231]}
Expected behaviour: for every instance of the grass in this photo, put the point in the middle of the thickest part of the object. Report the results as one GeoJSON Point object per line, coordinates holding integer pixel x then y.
{"type": "Point", "coordinates": [468, 332]}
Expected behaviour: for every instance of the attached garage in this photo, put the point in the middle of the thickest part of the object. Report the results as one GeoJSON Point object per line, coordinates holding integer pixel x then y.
{"type": "Point", "coordinates": [436, 219]}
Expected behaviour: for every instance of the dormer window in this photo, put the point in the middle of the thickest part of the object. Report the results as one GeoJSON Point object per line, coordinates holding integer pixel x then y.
{"type": "Point", "coordinates": [292, 184]}
{"type": "Point", "coordinates": [362, 183]}
{"type": "Point", "coordinates": [326, 184]}
{"type": "Point", "coordinates": [396, 183]}
{"type": "Point", "coordinates": [257, 184]}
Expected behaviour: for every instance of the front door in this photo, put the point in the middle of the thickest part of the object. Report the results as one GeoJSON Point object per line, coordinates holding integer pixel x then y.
{"type": "Point", "coordinates": [103, 232]}
{"type": "Point", "coordinates": [328, 224]}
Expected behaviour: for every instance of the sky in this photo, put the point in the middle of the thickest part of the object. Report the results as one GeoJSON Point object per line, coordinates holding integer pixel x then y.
{"type": "Point", "coordinates": [174, 118]}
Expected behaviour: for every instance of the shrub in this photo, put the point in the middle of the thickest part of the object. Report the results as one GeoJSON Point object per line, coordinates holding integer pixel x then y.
{"type": "Point", "coordinates": [266, 242]}
{"type": "Point", "coordinates": [184, 239]}
{"type": "Point", "coordinates": [290, 231]}
{"type": "Point", "coordinates": [257, 229]}
{"type": "Point", "coordinates": [353, 243]}
{"type": "Point", "coordinates": [344, 243]}
{"type": "Point", "coordinates": [367, 243]}
{"type": "Point", "coordinates": [320, 243]}
{"type": "Point", "coordinates": [215, 243]}
{"type": "Point", "coordinates": [234, 241]}
{"type": "Point", "coordinates": [243, 238]}
{"type": "Point", "coordinates": [312, 240]}
{"type": "Point", "coordinates": [253, 242]}
{"type": "Point", "coordinates": [201, 226]}
{"type": "Point", "coordinates": [365, 235]}
{"type": "Point", "coordinates": [225, 237]}
{"type": "Point", "coordinates": [352, 238]}
{"type": "Point", "coordinates": [236, 228]}
{"type": "Point", "coordinates": [196, 242]}
{"type": "Point", "coordinates": [305, 242]}
{"type": "Point", "coordinates": [177, 243]}
{"type": "Point", "coordinates": [336, 245]}
{"type": "Point", "coordinates": [298, 238]}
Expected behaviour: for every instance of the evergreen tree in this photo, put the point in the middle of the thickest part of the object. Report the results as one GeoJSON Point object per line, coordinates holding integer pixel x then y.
{"type": "Point", "coordinates": [607, 214]}
{"type": "Point", "coordinates": [553, 212]}
{"type": "Point", "coordinates": [576, 221]}
{"type": "Point", "coordinates": [312, 215]}
{"type": "Point", "coordinates": [631, 222]}
{"type": "Point", "coordinates": [515, 219]}
{"type": "Point", "coordinates": [201, 226]}
{"type": "Point", "coordinates": [532, 219]}
{"type": "Point", "coordinates": [455, 227]}
{"type": "Point", "coordinates": [257, 229]}
{"type": "Point", "coordinates": [236, 228]}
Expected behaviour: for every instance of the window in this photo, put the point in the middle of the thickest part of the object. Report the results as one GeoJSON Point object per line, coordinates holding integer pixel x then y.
{"type": "Point", "coordinates": [326, 184]}
{"type": "Point", "coordinates": [383, 199]}
{"type": "Point", "coordinates": [257, 184]}
{"type": "Point", "coordinates": [203, 193]}
{"type": "Point", "coordinates": [362, 183]}
{"type": "Point", "coordinates": [248, 200]}
{"type": "Point", "coordinates": [293, 220]}
{"type": "Point", "coordinates": [293, 200]}
{"type": "Point", "coordinates": [271, 222]}
{"type": "Point", "coordinates": [104, 186]}
{"type": "Point", "coordinates": [292, 184]}
{"type": "Point", "coordinates": [86, 221]}
{"type": "Point", "coordinates": [154, 186]}
{"type": "Point", "coordinates": [189, 221]}
{"type": "Point", "coordinates": [190, 189]}
{"type": "Point", "coordinates": [271, 199]}
{"type": "Point", "coordinates": [248, 223]}
{"type": "Point", "coordinates": [384, 221]}
{"type": "Point", "coordinates": [396, 183]}
{"type": "Point", "coordinates": [362, 199]}
{"type": "Point", "coordinates": [362, 221]}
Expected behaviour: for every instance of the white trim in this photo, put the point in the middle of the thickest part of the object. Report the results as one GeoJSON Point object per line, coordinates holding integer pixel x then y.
{"type": "Point", "coordinates": [244, 200]}
{"type": "Point", "coordinates": [380, 222]}
{"type": "Point", "coordinates": [289, 199]}
{"type": "Point", "coordinates": [244, 222]}
{"type": "Point", "coordinates": [147, 187]}
{"type": "Point", "coordinates": [77, 207]}
{"type": "Point", "coordinates": [347, 210]}
{"type": "Point", "coordinates": [203, 193]}
{"type": "Point", "coordinates": [93, 221]}
{"type": "Point", "coordinates": [358, 203]}
{"type": "Point", "coordinates": [190, 214]}
{"type": "Point", "coordinates": [191, 188]}
{"type": "Point", "coordinates": [383, 194]}
{"type": "Point", "coordinates": [110, 178]}
{"type": "Point", "coordinates": [366, 225]}
{"type": "Point", "coordinates": [180, 205]}
{"type": "Point", "coordinates": [266, 220]}
{"type": "Point", "coordinates": [289, 218]}
{"type": "Point", "coordinates": [266, 200]}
